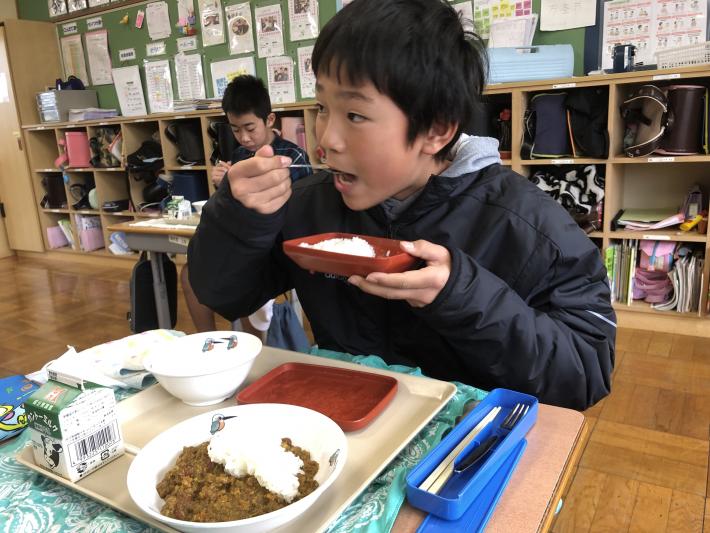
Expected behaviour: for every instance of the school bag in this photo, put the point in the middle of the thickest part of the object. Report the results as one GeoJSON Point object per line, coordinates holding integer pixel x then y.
{"type": "Point", "coordinates": [667, 120]}
{"type": "Point", "coordinates": [587, 113]}
{"type": "Point", "coordinates": [143, 315]}
{"type": "Point", "coordinates": [223, 141]}
{"type": "Point", "coordinates": [106, 148]}
{"type": "Point", "coordinates": [545, 127]}
{"type": "Point", "coordinates": [55, 196]}
{"type": "Point", "coordinates": [187, 136]}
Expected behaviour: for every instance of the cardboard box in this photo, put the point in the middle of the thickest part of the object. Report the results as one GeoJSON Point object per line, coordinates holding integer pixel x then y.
{"type": "Point", "coordinates": [73, 427]}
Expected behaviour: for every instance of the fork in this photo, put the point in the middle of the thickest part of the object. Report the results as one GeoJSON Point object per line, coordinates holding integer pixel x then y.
{"type": "Point", "coordinates": [515, 415]}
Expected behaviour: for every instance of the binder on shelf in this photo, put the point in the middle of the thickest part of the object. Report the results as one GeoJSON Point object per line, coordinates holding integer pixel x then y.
{"type": "Point", "coordinates": [56, 237]}
{"type": "Point", "coordinates": [90, 234]}
{"type": "Point", "coordinates": [65, 226]}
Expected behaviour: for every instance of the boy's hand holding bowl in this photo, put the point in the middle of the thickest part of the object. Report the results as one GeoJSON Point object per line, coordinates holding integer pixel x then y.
{"type": "Point", "coordinates": [417, 287]}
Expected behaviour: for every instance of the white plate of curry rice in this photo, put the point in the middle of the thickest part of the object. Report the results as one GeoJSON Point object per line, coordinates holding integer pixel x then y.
{"type": "Point", "coordinates": [242, 468]}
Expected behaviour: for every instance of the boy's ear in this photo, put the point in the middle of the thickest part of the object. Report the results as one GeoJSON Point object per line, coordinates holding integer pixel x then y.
{"type": "Point", "coordinates": [270, 119]}
{"type": "Point", "coordinates": [438, 136]}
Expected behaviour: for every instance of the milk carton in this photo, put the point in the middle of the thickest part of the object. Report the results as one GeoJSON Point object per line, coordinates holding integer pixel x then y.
{"type": "Point", "coordinates": [73, 426]}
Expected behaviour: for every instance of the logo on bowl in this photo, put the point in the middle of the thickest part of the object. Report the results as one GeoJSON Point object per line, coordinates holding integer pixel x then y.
{"type": "Point", "coordinates": [232, 342]}
{"type": "Point", "coordinates": [218, 422]}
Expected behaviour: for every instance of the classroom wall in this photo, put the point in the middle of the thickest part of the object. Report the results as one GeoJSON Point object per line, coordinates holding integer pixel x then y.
{"type": "Point", "coordinates": [8, 9]}
{"type": "Point", "coordinates": [127, 36]}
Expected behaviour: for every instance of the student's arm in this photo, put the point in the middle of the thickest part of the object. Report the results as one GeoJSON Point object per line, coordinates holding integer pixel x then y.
{"type": "Point", "coordinates": [232, 268]}
{"type": "Point", "coordinates": [557, 344]}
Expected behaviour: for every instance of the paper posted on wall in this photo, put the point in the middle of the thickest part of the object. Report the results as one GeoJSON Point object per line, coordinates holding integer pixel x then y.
{"type": "Point", "coordinates": [281, 84]}
{"type": "Point", "coordinates": [73, 57]}
{"type": "Point", "coordinates": [303, 19]}
{"type": "Point", "coordinates": [159, 85]}
{"type": "Point", "coordinates": [305, 72]}
{"type": "Point", "coordinates": [239, 28]}
{"type": "Point", "coordinates": [269, 31]}
{"type": "Point", "coordinates": [512, 32]}
{"type": "Point", "coordinates": [224, 71]}
{"type": "Point", "coordinates": [129, 91]}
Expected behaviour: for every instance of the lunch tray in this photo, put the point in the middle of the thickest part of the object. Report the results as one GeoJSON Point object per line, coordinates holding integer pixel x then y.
{"type": "Point", "coordinates": [148, 413]}
{"type": "Point", "coordinates": [463, 489]}
{"type": "Point", "coordinates": [351, 398]}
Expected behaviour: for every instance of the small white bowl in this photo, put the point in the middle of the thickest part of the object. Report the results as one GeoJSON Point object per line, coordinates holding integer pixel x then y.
{"type": "Point", "coordinates": [198, 206]}
{"type": "Point", "coordinates": [312, 431]}
{"type": "Point", "coordinates": [204, 377]}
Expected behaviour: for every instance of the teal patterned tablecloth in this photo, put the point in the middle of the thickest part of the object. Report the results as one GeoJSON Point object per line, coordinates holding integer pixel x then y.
{"type": "Point", "coordinates": [30, 502]}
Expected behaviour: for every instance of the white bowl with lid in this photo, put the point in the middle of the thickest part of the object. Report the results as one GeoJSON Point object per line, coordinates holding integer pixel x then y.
{"type": "Point", "coordinates": [205, 368]}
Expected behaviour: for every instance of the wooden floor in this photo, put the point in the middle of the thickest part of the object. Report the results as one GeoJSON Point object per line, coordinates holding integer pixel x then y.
{"type": "Point", "coordinates": [645, 465]}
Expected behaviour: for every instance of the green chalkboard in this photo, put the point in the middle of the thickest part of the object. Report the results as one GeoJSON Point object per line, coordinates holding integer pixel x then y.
{"type": "Point", "coordinates": [123, 36]}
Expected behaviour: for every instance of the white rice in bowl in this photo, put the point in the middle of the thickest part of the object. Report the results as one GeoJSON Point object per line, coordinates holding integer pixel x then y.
{"type": "Point", "coordinates": [353, 246]}
{"type": "Point", "coordinates": [260, 455]}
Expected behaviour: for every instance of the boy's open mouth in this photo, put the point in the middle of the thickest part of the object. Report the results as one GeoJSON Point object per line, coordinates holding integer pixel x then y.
{"type": "Point", "coordinates": [342, 179]}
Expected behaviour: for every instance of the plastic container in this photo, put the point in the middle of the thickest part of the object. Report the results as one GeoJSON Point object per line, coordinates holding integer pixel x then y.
{"type": "Point", "coordinates": [525, 63]}
{"type": "Point", "coordinates": [475, 518]}
{"type": "Point", "coordinates": [463, 489]}
{"type": "Point", "coordinates": [349, 397]}
{"type": "Point", "coordinates": [389, 257]}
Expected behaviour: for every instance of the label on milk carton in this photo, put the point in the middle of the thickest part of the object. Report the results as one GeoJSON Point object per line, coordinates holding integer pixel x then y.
{"type": "Point", "coordinates": [73, 431]}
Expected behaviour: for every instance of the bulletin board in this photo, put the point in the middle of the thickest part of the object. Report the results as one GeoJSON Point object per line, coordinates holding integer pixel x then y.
{"type": "Point", "coordinates": [123, 36]}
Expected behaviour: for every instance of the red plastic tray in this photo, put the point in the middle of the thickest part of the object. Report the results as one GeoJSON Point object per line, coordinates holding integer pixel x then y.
{"type": "Point", "coordinates": [389, 257]}
{"type": "Point", "coordinates": [349, 397]}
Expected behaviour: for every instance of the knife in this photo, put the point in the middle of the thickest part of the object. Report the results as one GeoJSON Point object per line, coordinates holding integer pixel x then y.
{"type": "Point", "coordinates": [443, 471]}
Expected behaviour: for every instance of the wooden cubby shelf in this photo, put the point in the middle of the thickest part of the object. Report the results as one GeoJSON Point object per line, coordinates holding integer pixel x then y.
{"type": "Point", "coordinates": [655, 181]}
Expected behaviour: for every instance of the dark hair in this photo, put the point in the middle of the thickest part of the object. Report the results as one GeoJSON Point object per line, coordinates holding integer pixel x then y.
{"type": "Point", "coordinates": [247, 94]}
{"type": "Point", "coordinates": [416, 52]}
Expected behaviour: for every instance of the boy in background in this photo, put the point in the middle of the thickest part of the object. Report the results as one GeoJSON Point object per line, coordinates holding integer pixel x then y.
{"type": "Point", "coordinates": [247, 105]}
{"type": "Point", "coordinates": [511, 293]}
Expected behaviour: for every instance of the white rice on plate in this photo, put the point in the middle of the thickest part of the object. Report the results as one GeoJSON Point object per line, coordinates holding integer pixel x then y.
{"type": "Point", "coordinates": [260, 455]}
{"type": "Point", "coordinates": [354, 246]}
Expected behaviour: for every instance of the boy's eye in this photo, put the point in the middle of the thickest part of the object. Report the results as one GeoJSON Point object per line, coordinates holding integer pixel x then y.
{"type": "Point", "coordinates": [354, 117]}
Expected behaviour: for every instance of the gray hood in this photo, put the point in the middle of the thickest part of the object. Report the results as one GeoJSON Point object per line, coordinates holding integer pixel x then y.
{"type": "Point", "coordinates": [470, 153]}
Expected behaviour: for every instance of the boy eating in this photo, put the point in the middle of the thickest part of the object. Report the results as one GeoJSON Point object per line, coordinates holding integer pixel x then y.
{"type": "Point", "coordinates": [511, 292]}
{"type": "Point", "coordinates": [247, 104]}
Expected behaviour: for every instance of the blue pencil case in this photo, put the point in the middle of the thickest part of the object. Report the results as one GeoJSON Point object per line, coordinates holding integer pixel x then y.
{"type": "Point", "coordinates": [463, 488]}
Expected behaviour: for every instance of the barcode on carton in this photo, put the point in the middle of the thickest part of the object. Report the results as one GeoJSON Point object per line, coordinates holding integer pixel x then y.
{"type": "Point", "coordinates": [94, 443]}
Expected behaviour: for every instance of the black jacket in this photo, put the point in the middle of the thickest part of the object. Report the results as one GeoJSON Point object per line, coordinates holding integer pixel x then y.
{"type": "Point", "coordinates": [526, 306]}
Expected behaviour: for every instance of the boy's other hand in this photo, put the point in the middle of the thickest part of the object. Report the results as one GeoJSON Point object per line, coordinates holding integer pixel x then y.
{"type": "Point", "coordinates": [263, 182]}
{"type": "Point", "coordinates": [417, 287]}
{"type": "Point", "coordinates": [218, 172]}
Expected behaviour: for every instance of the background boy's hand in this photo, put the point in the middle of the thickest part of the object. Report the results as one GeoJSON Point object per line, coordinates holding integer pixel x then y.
{"type": "Point", "coordinates": [263, 182]}
{"type": "Point", "coordinates": [417, 287]}
{"type": "Point", "coordinates": [218, 172]}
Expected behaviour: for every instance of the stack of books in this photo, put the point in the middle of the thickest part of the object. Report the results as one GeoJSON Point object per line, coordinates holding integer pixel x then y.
{"type": "Point", "coordinates": [649, 219]}
{"type": "Point", "coordinates": [91, 113]}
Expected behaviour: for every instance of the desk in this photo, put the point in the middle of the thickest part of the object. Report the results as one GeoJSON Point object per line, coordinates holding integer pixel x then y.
{"type": "Point", "coordinates": [528, 505]}
{"type": "Point", "coordinates": [157, 241]}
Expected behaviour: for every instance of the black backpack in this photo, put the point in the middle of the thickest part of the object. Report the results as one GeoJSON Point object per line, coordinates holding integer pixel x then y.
{"type": "Point", "coordinates": [55, 195]}
{"type": "Point", "coordinates": [223, 141]}
{"type": "Point", "coordinates": [588, 110]}
{"type": "Point", "coordinates": [143, 315]}
{"type": "Point", "coordinates": [188, 138]}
